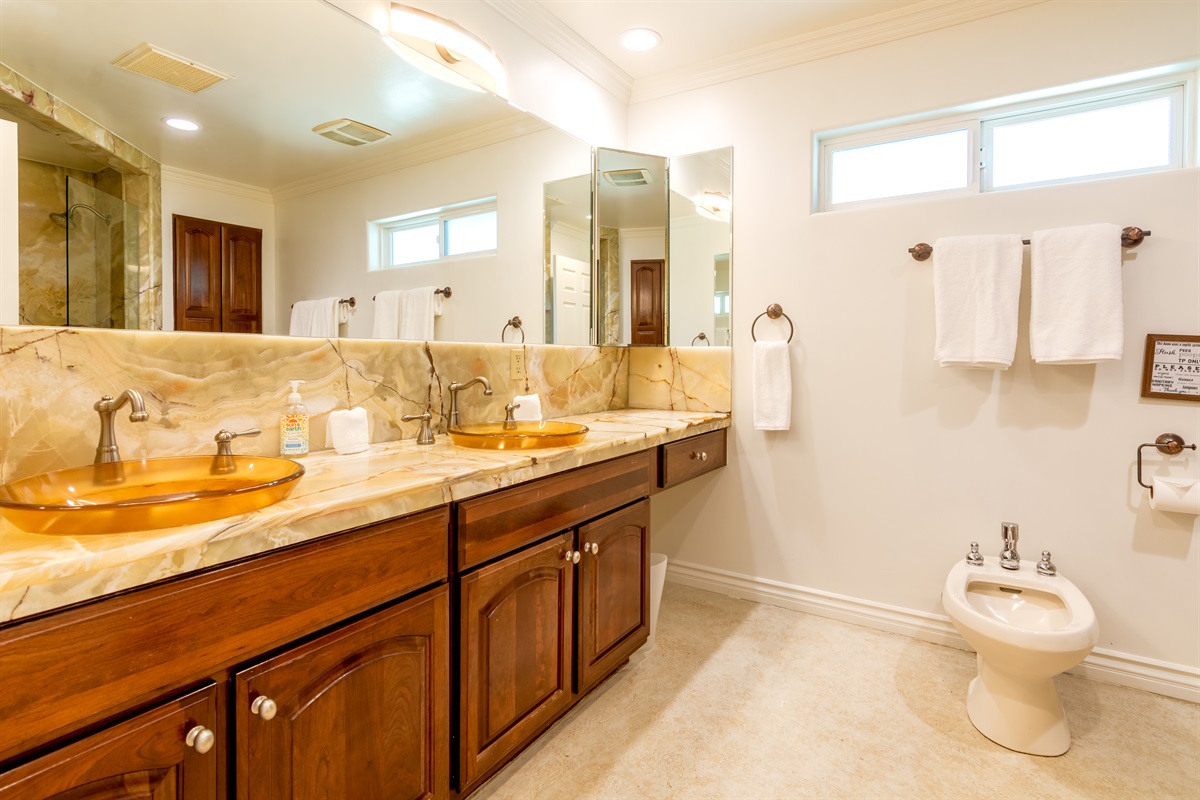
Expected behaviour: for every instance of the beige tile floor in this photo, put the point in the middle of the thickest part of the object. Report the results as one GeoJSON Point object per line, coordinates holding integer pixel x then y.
{"type": "Point", "coordinates": [742, 700]}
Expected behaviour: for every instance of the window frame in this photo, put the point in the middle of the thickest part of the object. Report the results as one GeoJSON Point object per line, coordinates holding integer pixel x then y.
{"type": "Point", "coordinates": [384, 228]}
{"type": "Point", "coordinates": [1179, 81]}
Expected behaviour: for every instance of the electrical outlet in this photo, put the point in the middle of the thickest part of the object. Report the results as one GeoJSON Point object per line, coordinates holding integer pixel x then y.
{"type": "Point", "coordinates": [516, 365]}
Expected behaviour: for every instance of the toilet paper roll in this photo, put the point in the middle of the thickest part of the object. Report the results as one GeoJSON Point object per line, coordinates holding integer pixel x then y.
{"type": "Point", "coordinates": [348, 431]}
{"type": "Point", "coordinates": [1175, 494]}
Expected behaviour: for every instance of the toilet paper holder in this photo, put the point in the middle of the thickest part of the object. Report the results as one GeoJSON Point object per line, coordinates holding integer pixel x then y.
{"type": "Point", "coordinates": [1170, 444]}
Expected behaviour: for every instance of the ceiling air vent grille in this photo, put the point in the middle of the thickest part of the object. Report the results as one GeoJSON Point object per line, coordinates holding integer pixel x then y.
{"type": "Point", "coordinates": [628, 177]}
{"type": "Point", "coordinates": [154, 62]}
{"type": "Point", "coordinates": [347, 131]}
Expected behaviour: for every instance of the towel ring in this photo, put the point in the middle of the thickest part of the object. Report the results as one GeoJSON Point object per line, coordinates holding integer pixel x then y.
{"type": "Point", "coordinates": [514, 323]}
{"type": "Point", "coordinates": [702, 337]}
{"type": "Point", "coordinates": [774, 311]}
{"type": "Point", "coordinates": [1170, 444]}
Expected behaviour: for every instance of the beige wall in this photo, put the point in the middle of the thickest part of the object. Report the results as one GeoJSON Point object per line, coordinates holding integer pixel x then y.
{"type": "Point", "coordinates": [893, 465]}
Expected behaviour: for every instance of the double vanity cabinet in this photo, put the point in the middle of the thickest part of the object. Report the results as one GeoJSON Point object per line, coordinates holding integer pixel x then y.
{"type": "Point", "coordinates": [410, 658]}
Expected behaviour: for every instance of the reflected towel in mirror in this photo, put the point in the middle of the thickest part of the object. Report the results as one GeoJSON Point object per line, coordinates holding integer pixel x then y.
{"type": "Point", "coordinates": [316, 317]}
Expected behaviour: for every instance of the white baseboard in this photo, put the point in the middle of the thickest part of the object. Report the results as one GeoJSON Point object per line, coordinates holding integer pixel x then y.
{"type": "Point", "coordinates": [1107, 666]}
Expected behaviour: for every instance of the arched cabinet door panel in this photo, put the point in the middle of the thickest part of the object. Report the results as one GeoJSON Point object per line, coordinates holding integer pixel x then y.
{"type": "Point", "coordinates": [360, 712]}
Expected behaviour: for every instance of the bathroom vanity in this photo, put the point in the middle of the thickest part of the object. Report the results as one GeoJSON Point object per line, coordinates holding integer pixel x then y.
{"type": "Point", "coordinates": [441, 641]}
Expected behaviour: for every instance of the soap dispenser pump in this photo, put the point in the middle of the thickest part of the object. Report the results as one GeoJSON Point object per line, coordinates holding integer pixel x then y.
{"type": "Point", "coordinates": [293, 424]}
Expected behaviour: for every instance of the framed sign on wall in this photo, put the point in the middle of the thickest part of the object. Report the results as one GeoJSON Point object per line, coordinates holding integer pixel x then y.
{"type": "Point", "coordinates": [1171, 368]}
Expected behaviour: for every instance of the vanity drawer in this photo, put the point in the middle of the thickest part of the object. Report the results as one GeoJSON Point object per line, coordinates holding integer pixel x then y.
{"type": "Point", "coordinates": [683, 460]}
{"type": "Point", "coordinates": [498, 523]}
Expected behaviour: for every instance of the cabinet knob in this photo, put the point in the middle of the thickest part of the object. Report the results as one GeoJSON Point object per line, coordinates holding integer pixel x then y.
{"type": "Point", "coordinates": [591, 547]}
{"type": "Point", "coordinates": [200, 738]}
{"type": "Point", "coordinates": [264, 706]}
{"type": "Point", "coordinates": [572, 556]}
{"type": "Point", "coordinates": [699, 455]}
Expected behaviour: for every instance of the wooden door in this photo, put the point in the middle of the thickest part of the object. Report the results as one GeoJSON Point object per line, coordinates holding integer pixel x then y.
{"type": "Point", "coordinates": [197, 244]}
{"type": "Point", "coordinates": [241, 279]}
{"type": "Point", "coordinates": [613, 603]}
{"type": "Point", "coordinates": [362, 712]}
{"type": "Point", "coordinates": [515, 653]}
{"type": "Point", "coordinates": [146, 757]}
{"type": "Point", "coordinates": [647, 287]}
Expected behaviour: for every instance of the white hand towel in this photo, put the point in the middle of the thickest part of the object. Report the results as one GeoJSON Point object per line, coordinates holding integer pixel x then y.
{"type": "Point", "coordinates": [1075, 311]}
{"type": "Point", "coordinates": [976, 290]}
{"type": "Point", "coordinates": [315, 318]}
{"type": "Point", "coordinates": [772, 386]}
{"type": "Point", "coordinates": [344, 311]}
{"type": "Point", "coordinates": [348, 430]}
{"type": "Point", "coordinates": [1175, 494]}
{"type": "Point", "coordinates": [530, 407]}
{"type": "Point", "coordinates": [418, 307]}
{"type": "Point", "coordinates": [387, 315]}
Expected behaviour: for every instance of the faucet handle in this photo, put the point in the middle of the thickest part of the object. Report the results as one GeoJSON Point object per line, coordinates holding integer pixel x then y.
{"type": "Point", "coordinates": [224, 437]}
{"type": "Point", "coordinates": [425, 435]}
{"type": "Point", "coordinates": [1045, 566]}
{"type": "Point", "coordinates": [975, 558]}
{"type": "Point", "coordinates": [508, 414]}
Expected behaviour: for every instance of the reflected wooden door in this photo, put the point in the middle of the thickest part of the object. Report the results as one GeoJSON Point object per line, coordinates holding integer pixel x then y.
{"type": "Point", "coordinates": [647, 287]}
{"type": "Point", "coordinates": [218, 276]}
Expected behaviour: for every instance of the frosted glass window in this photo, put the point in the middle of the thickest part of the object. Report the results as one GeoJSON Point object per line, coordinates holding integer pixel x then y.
{"type": "Point", "coordinates": [473, 233]}
{"type": "Point", "coordinates": [1133, 136]}
{"type": "Point", "coordinates": [931, 163]}
{"type": "Point", "coordinates": [414, 245]}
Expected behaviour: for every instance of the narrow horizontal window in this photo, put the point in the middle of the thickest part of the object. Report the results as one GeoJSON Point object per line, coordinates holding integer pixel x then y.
{"type": "Point", "coordinates": [436, 234]}
{"type": "Point", "coordinates": [931, 163]}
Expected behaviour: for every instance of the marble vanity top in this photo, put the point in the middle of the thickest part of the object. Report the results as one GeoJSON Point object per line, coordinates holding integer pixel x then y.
{"type": "Point", "coordinates": [39, 572]}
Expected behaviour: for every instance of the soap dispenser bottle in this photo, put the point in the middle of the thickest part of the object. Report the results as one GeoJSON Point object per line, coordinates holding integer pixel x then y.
{"type": "Point", "coordinates": [293, 425]}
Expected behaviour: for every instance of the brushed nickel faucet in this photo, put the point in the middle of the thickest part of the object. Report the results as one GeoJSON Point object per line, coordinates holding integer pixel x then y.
{"type": "Point", "coordinates": [457, 387]}
{"type": "Point", "coordinates": [107, 407]}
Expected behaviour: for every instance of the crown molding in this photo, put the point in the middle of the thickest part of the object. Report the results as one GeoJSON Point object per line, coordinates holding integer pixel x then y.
{"type": "Point", "coordinates": [889, 26]}
{"type": "Point", "coordinates": [482, 136]}
{"type": "Point", "coordinates": [214, 184]}
{"type": "Point", "coordinates": [562, 40]}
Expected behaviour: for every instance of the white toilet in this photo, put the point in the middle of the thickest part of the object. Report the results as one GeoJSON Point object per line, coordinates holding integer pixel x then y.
{"type": "Point", "coordinates": [1026, 628]}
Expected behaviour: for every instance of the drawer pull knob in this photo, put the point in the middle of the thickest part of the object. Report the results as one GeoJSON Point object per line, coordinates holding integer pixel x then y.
{"type": "Point", "coordinates": [200, 738]}
{"type": "Point", "coordinates": [701, 455]}
{"type": "Point", "coordinates": [264, 706]}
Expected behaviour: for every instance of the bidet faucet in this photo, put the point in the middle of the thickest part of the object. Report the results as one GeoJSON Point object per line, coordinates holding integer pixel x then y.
{"type": "Point", "coordinates": [457, 387]}
{"type": "Point", "coordinates": [107, 406]}
{"type": "Point", "coordinates": [1009, 557]}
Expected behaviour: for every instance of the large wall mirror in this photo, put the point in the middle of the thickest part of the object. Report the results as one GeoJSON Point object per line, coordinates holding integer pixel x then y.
{"type": "Point", "coordinates": [701, 248]}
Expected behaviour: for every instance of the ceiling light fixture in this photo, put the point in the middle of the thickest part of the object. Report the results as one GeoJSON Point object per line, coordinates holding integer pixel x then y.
{"type": "Point", "coordinates": [640, 39]}
{"type": "Point", "coordinates": [181, 124]}
{"type": "Point", "coordinates": [714, 206]}
{"type": "Point", "coordinates": [444, 50]}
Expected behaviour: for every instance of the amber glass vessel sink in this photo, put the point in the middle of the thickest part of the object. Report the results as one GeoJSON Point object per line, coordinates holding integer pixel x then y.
{"type": "Point", "coordinates": [145, 495]}
{"type": "Point", "coordinates": [518, 435]}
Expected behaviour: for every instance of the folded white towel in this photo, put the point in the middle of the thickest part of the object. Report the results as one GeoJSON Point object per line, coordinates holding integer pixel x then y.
{"type": "Point", "coordinates": [348, 430]}
{"type": "Point", "coordinates": [772, 386]}
{"type": "Point", "coordinates": [418, 307]}
{"type": "Point", "coordinates": [530, 407]}
{"type": "Point", "coordinates": [976, 290]}
{"type": "Point", "coordinates": [1075, 312]}
{"type": "Point", "coordinates": [315, 318]}
{"type": "Point", "coordinates": [387, 315]}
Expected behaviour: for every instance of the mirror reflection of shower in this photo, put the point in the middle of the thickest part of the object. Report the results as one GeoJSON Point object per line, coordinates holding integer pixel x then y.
{"type": "Point", "coordinates": [101, 264]}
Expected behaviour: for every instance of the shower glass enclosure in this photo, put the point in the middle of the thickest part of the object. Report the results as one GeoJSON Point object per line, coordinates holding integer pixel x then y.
{"type": "Point", "coordinates": [102, 278]}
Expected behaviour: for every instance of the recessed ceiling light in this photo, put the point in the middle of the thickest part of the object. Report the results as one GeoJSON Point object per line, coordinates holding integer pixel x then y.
{"type": "Point", "coordinates": [640, 39]}
{"type": "Point", "coordinates": [181, 124]}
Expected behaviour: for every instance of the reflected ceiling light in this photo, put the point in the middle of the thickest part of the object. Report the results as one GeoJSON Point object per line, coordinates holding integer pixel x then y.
{"type": "Point", "coordinates": [640, 39]}
{"type": "Point", "coordinates": [715, 206]}
{"type": "Point", "coordinates": [181, 124]}
{"type": "Point", "coordinates": [444, 50]}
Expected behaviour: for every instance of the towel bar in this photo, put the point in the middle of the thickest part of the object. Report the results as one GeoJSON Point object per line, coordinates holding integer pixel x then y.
{"type": "Point", "coordinates": [1130, 237]}
{"type": "Point", "coordinates": [774, 311]}
{"type": "Point", "coordinates": [447, 292]}
{"type": "Point", "coordinates": [1170, 444]}
{"type": "Point", "coordinates": [351, 302]}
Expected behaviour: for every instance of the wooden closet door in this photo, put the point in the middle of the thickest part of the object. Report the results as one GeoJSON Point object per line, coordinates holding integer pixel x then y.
{"type": "Point", "coordinates": [197, 274]}
{"type": "Point", "coordinates": [646, 302]}
{"type": "Point", "coordinates": [241, 296]}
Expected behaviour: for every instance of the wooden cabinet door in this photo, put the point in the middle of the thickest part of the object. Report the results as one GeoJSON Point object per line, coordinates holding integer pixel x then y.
{"type": "Point", "coordinates": [515, 653]}
{"type": "Point", "coordinates": [362, 712]}
{"type": "Point", "coordinates": [197, 245]}
{"type": "Point", "coordinates": [241, 279]}
{"type": "Point", "coordinates": [614, 592]}
{"type": "Point", "coordinates": [648, 322]}
{"type": "Point", "coordinates": [146, 757]}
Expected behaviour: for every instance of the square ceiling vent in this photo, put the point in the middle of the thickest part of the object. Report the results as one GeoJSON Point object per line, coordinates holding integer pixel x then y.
{"type": "Point", "coordinates": [347, 131]}
{"type": "Point", "coordinates": [156, 63]}
{"type": "Point", "coordinates": [628, 177]}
